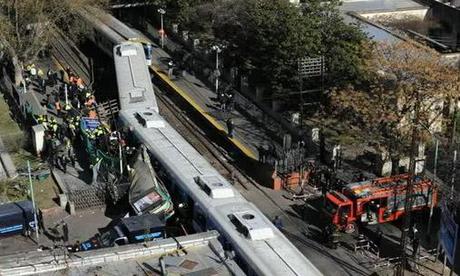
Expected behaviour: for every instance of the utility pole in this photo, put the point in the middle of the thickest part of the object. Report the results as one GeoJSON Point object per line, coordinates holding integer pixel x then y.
{"type": "Point", "coordinates": [217, 72]}
{"type": "Point", "coordinates": [33, 201]}
{"type": "Point", "coordinates": [301, 102]}
{"type": "Point", "coordinates": [406, 226]}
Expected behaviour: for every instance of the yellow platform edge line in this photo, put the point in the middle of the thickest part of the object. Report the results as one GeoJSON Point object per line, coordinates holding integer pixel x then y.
{"type": "Point", "coordinates": [247, 151]}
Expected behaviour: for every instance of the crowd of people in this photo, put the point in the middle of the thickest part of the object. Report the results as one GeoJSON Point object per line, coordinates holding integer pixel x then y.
{"type": "Point", "coordinates": [225, 100]}
{"type": "Point", "coordinates": [66, 101]}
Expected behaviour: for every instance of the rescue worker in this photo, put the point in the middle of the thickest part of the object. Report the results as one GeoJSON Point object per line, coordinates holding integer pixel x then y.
{"type": "Point", "coordinates": [33, 72]}
{"type": "Point", "coordinates": [53, 126]}
{"type": "Point", "coordinates": [91, 134]}
{"type": "Point", "coordinates": [62, 156]}
{"type": "Point", "coordinates": [40, 74]}
{"type": "Point", "coordinates": [70, 151]}
{"type": "Point", "coordinates": [27, 70]}
{"type": "Point", "coordinates": [100, 131]}
{"type": "Point", "coordinates": [51, 77]}
{"type": "Point", "coordinates": [45, 122]}
{"type": "Point", "coordinates": [52, 153]}
{"type": "Point", "coordinates": [72, 128]}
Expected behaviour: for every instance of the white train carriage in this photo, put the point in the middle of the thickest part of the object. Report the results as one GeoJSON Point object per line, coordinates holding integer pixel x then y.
{"type": "Point", "coordinates": [112, 28]}
{"type": "Point", "coordinates": [121, 28]}
{"type": "Point", "coordinates": [260, 248]}
{"type": "Point", "coordinates": [101, 34]}
{"type": "Point", "coordinates": [133, 77]}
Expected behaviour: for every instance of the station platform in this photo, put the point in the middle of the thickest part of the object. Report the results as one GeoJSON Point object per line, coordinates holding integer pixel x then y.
{"type": "Point", "coordinates": [248, 135]}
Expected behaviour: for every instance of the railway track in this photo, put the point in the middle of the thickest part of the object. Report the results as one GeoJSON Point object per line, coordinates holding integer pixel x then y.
{"type": "Point", "coordinates": [195, 136]}
{"type": "Point", "coordinates": [221, 161]}
{"type": "Point", "coordinates": [217, 156]}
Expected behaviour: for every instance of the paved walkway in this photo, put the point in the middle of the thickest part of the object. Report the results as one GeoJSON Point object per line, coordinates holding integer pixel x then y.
{"type": "Point", "coordinates": [78, 178]}
{"type": "Point", "coordinates": [249, 135]}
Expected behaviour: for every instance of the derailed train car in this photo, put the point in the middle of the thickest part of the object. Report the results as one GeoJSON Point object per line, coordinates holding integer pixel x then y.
{"type": "Point", "coordinates": [260, 248]}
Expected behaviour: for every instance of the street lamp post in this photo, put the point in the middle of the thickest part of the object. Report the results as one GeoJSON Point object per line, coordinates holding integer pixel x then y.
{"type": "Point", "coordinates": [217, 72]}
{"type": "Point", "coordinates": [162, 31]}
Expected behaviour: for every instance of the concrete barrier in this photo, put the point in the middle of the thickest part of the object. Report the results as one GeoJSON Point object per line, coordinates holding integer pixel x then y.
{"type": "Point", "coordinates": [51, 261]}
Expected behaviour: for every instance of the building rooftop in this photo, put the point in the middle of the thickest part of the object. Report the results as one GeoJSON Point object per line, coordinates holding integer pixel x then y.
{"type": "Point", "coordinates": [196, 254]}
{"type": "Point", "coordinates": [374, 31]}
{"type": "Point", "coordinates": [379, 5]}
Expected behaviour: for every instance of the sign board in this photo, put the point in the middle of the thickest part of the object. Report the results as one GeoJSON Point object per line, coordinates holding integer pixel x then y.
{"type": "Point", "coordinates": [448, 233]}
{"type": "Point", "coordinates": [311, 67]}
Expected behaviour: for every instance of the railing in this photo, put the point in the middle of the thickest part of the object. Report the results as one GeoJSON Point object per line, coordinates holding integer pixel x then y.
{"type": "Point", "coordinates": [365, 244]}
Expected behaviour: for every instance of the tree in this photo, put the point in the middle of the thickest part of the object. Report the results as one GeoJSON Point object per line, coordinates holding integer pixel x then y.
{"type": "Point", "coordinates": [267, 36]}
{"type": "Point", "coordinates": [343, 45]}
{"type": "Point", "coordinates": [400, 78]}
{"type": "Point", "coordinates": [26, 26]}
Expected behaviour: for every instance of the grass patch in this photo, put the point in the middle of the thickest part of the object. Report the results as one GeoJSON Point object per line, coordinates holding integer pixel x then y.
{"type": "Point", "coordinates": [14, 189]}
{"type": "Point", "coordinates": [45, 191]}
{"type": "Point", "coordinates": [18, 189]}
{"type": "Point", "coordinates": [12, 136]}
{"type": "Point", "coordinates": [21, 157]}
{"type": "Point", "coordinates": [15, 141]}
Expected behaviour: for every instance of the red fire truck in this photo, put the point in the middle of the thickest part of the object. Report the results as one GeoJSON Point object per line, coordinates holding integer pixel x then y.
{"type": "Point", "coordinates": [377, 201]}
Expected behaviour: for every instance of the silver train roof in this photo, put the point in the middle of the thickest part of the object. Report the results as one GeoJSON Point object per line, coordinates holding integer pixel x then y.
{"type": "Point", "coordinates": [262, 246]}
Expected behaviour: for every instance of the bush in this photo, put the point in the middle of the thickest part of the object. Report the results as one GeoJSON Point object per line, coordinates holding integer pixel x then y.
{"type": "Point", "coordinates": [14, 141]}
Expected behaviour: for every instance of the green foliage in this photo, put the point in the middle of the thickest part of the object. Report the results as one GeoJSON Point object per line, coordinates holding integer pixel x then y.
{"type": "Point", "coordinates": [14, 190]}
{"type": "Point", "coordinates": [267, 37]}
{"type": "Point", "coordinates": [26, 24]}
{"type": "Point", "coordinates": [403, 80]}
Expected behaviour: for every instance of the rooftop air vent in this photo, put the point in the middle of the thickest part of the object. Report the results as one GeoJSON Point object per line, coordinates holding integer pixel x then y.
{"type": "Point", "coordinates": [215, 186]}
{"type": "Point", "coordinates": [251, 225]}
{"type": "Point", "coordinates": [150, 119]}
{"type": "Point", "coordinates": [136, 95]}
{"type": "Point", "coordinates": [128, 50]}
